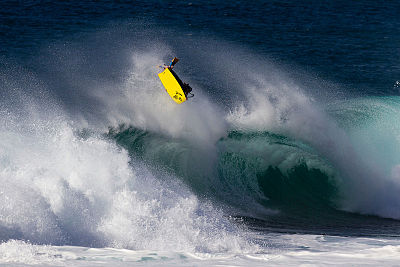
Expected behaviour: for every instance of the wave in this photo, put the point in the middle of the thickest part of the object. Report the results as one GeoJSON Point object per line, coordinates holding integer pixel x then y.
{"type": "Point", "coordinates": [269, 180]}
{"type": "Point", "coordinates": [97, 155]}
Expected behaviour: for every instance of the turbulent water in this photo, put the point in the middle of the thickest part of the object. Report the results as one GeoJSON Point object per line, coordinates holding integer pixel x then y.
{"type": "Point", "coordinates": [277, 159]}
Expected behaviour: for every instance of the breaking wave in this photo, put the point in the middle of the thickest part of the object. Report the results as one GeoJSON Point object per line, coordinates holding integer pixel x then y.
{"type": "Point", "coordinates": [96, 154]}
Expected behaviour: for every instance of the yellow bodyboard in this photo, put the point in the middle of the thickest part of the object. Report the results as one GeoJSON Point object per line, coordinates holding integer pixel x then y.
{"type": "Point", "coordinates": [172, 86]}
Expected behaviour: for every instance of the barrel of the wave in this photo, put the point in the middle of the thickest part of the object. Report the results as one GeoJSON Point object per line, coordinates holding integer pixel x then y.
{"type": "Point", "coordinates": [173, 85]}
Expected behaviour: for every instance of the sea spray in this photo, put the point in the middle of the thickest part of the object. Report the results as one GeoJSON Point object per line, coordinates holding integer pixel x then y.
{"type": "Point", "coordinates": [65, 186]}
{"type": "Point", "coordinates": [287, 110]}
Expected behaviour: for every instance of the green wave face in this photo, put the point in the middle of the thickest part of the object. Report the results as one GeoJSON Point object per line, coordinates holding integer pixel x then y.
{"type": "Point", "coordinates": [255, 174]}
{"type": "Point", "coordinates": [279, 172]}
{"type": "Point", "coordinates": [272, 180]}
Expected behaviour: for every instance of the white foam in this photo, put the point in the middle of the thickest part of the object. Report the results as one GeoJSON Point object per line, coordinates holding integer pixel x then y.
{"type": "Point", "coordinates": [61, 188]}
{"type": "Point", "coordinates": [16, 251]}
{"type": "Point", "coordinates": [284, 250]}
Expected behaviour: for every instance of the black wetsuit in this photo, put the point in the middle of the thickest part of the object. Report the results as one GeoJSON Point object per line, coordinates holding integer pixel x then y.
{"type": "Point", "coordinates": [185, 87]}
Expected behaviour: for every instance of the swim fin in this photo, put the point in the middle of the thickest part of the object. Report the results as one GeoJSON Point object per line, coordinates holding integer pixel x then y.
{"type": "Point", "coordinates": [174, 61]}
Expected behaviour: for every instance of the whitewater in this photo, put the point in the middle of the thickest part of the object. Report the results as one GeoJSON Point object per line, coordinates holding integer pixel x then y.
{"type": "Point", "coordinates": [99, 167]}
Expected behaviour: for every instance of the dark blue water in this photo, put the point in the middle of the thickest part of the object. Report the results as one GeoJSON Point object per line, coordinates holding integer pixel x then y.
{"type": "Point", "coordinates": [354, 43]}
{"type": "Point", "coordinates": [346, 48]}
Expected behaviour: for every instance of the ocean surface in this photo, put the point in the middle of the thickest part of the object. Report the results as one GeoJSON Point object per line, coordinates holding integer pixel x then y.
{"type": "Point", "coordinates": [288, 154]}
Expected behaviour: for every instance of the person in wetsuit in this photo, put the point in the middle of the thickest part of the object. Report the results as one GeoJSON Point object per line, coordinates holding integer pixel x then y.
{"type": "Point", "coordinates": [185, 87]}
